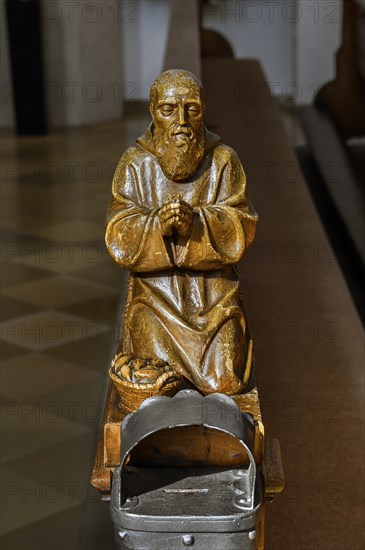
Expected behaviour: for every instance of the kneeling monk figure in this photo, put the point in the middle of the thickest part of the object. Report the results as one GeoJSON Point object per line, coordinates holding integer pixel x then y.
{"type": "Point", "coordinates": [180, 221]}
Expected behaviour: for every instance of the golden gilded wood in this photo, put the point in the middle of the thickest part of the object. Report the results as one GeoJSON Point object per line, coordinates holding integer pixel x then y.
{"type": "Point", "coordinates": [272, 469]}
{"type": "Point", "coordinates": [180, 220]}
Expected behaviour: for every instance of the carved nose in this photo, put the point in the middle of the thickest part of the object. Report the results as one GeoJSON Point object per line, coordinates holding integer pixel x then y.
{"type": "Point", "coordinates": [182, 116]}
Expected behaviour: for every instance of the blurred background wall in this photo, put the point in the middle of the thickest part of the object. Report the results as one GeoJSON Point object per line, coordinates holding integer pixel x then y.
{"type": "Point", "coordinates": [85, 82]}
{"type": "Point", "coordinates": [82, 60]}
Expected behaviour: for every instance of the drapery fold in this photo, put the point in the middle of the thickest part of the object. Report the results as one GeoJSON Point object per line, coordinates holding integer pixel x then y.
{"type": "Point", "coordinates": [184, 303]}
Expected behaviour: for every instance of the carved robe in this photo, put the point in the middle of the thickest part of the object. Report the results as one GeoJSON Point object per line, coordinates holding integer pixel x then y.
{"type": "Point", "coordinates": [184, 303]}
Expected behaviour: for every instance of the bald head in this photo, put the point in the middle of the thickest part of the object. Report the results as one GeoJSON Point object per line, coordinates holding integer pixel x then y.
{"type": "Point", "coordinates": [176, 78]}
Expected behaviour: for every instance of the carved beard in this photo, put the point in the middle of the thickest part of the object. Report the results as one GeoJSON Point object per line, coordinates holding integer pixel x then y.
{"type": "Point", "coordinates": [179, 151]}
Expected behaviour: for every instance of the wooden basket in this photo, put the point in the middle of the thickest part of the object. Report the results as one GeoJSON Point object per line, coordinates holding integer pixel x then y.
{"type": "Point", "coordinates": [132, 394]}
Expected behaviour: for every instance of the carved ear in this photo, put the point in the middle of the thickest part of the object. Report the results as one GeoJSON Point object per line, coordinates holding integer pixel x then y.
{"type": "Point", "coordinates": [151, 109]}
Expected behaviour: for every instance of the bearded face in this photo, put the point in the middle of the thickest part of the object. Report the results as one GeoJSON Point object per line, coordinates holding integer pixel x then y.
{"type": "Point", "coordinates": [179, 136]}
{"type": "Point", "coordinates": [179, 151]}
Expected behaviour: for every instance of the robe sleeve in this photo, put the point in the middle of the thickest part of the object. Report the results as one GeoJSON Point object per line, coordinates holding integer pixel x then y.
{"type": "Point", "coordinates": [223, 230]}
{"type": "Point", "coordinates": [133, 234]}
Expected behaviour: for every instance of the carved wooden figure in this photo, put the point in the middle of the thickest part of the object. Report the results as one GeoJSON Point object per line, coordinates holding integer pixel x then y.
{"type": "Point", "coordinates": [180, 221]}
{"type": "Point", "coordinates": [191, 469]}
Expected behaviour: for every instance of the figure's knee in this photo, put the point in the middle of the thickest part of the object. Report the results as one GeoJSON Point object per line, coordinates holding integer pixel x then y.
{"type": "Point", "coordinates": [223, 364]}
{"type": "Point", "coordinates": [143, 328]}
{"type": "Point", "coordinates": [224, 382]}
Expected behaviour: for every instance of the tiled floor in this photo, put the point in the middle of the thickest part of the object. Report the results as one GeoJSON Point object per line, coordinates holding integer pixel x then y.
{"type": "Point", "coordinates": [59, 303]}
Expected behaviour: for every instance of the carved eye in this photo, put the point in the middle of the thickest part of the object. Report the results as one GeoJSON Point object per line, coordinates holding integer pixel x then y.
{"type": "Point", "coordinates": [194, 110]}
{"type": "Point", "coordinates": [167, 110]}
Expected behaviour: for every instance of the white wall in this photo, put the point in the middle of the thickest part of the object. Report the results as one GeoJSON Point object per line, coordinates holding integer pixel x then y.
{"type": "Point", "coordinates": [144, 36]}
{"type": "Point", "coordinates": [319, 32]}
{"type": "Point", "coordinates": [257, 29]}
{"type": "Point", "coordinates": [296, 41]}
{"type": "Point", "coordinates": [82, 59]}
{"type": "Point", "coordinates": [82, 56]}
